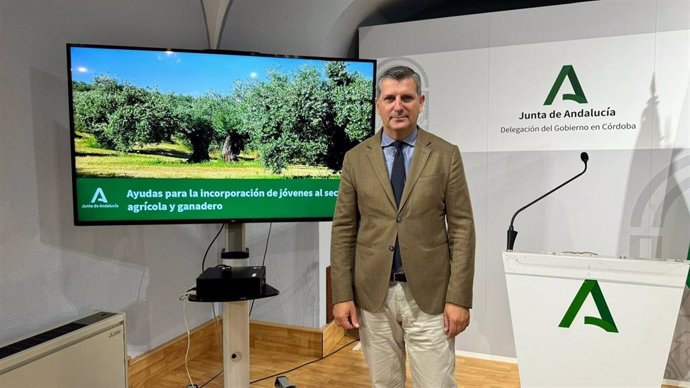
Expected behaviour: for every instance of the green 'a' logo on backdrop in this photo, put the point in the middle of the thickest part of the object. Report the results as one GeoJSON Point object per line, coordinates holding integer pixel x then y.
{"type": "Point", "coordinates": [579, 96]}
{"type": "Point", "coordinates": [605, 322]}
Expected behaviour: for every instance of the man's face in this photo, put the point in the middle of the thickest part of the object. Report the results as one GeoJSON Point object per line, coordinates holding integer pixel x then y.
{"type": "Point", "coordinates": [399, 105]}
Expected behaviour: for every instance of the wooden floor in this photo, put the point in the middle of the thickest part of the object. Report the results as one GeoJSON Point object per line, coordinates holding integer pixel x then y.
{"type": "Point", "coordinates": [342, 369]}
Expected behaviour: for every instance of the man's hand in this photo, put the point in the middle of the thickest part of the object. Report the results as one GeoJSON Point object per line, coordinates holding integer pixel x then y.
{"type": "Point", "coordinates": [455, 319]}
{"type": "Point", "coordinates": [345, 315]}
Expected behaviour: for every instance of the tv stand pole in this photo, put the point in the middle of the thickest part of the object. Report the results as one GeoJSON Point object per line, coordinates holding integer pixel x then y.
{"type": "Point", "coordinates": [236, 344]}
{"type": "Point", "coordinates": [235, 321]}
{"type": "Point", "coordinates": [236, 318]}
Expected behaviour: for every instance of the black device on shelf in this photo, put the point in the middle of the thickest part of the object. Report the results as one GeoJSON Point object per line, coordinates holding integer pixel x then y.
{"type": "Point", "coordinates": [224, 283]}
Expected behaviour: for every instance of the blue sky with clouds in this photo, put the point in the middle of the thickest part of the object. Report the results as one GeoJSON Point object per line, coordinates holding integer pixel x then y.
{"type": "Point", "coordinates": [186, 73]}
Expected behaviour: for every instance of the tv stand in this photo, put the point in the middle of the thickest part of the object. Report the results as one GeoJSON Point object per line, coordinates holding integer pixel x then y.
{"type": "Point", "coordinates": [236, 321]}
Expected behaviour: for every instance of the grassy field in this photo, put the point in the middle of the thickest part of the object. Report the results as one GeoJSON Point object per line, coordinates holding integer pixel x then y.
{"type": "Point", "coordinates": [168, 160]}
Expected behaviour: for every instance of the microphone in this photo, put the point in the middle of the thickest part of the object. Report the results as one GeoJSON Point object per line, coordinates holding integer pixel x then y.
{"type": "Point", "coordinates": [512, 233]}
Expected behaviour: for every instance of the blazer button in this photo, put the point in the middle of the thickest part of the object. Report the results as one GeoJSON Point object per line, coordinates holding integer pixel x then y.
{"type": "Point", "coordinates": [398, 220]}
{"type": "Point", "coordinates": [391, 248]}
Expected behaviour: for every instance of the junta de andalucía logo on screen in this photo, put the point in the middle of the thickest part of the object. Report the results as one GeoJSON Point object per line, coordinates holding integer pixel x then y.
{"type": "Point", "coordinates": [99, 196]}
{"type": "Point", "coordinates": [99, 201]}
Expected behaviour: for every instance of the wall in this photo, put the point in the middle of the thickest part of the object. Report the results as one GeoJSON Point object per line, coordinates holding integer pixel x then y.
{"type": "Point", "coordinates": [51, 271]}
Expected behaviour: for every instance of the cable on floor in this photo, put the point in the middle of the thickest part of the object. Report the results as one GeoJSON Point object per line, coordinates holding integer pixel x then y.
{"type": "Point", "coordinates": [306, 363]}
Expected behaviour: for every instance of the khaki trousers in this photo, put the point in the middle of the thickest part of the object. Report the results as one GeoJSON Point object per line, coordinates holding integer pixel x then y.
{"type": "Point", "coordinates": [400, 327]}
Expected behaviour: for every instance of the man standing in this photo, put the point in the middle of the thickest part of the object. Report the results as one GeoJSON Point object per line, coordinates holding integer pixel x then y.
{"type": "Point", "coordinates": [402, 244]}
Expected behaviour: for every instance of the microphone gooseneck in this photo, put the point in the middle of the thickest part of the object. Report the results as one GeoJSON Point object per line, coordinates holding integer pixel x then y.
{"type": "Point", "coordinates": [512, 233]}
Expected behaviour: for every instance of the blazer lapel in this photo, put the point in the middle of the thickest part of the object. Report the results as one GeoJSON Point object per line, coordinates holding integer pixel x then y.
{"type": "Point", "coordinates": [378, 164]}
{"type": "Point", "coordinates": [419, 158]}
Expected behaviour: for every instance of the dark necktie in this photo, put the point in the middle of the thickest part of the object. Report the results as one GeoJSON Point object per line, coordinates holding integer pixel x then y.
{"type": "Point", "coordinates": [398, 183]}
{"type": "Point", "coordinates": [398, 171]}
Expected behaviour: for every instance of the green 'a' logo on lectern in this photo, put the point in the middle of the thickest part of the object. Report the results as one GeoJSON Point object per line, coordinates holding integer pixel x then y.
{"type": "Point", "coordinates": [579, 96]}
{"type": "Point", "coordinates": [605, 322]}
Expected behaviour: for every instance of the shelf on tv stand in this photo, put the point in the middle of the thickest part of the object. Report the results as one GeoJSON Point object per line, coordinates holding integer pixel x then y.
{"type": "Point", "coordinates": [267, 292]}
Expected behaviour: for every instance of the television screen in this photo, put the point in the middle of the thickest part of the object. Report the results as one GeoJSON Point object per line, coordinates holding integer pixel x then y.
{"type": "Point", "coordinates": [183, 136]}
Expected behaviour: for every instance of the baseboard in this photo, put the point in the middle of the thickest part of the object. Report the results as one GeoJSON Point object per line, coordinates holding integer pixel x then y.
{"type": "Point", "coordinates": [332, 336]}
{"type": "Point", "coordinates": [488, 357]}
{"type": "Point", "coordinates": [169, 356]}
{"type": "Point", "coordinates": [286, 338]}
{"type": "Point", "coordinates": [677, 383]}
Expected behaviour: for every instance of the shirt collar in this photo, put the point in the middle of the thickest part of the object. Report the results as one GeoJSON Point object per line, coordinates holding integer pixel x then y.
{"type": "Point", "coordinates": [410, 140]}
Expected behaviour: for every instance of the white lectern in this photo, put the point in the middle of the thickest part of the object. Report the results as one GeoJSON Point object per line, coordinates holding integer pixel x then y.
{"type": "Point", "coordinates": [583, 321]}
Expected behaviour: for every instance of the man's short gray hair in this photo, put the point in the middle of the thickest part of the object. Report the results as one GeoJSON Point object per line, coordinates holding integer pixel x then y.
{"type": "Point", "coordinates": [399, 73]}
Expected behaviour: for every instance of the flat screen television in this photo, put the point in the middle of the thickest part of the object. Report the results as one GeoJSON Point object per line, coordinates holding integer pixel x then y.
{"type": "Point", "coordinates": [184, 136]}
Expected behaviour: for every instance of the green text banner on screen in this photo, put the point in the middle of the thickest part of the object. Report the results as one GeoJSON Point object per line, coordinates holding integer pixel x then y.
{"type": "Point", "coordinates": [115, 199]}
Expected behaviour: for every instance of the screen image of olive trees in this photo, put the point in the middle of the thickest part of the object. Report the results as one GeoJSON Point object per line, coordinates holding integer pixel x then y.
{"type": "Point", "coordinates": [309, 117]}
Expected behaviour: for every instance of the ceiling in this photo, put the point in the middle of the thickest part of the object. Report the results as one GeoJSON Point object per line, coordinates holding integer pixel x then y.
{"type": "Point", "coordinates": [411, 10]}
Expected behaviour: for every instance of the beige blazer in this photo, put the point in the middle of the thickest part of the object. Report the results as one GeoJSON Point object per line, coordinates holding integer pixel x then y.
{"type": "Point", "coordinates": [434, 224]}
